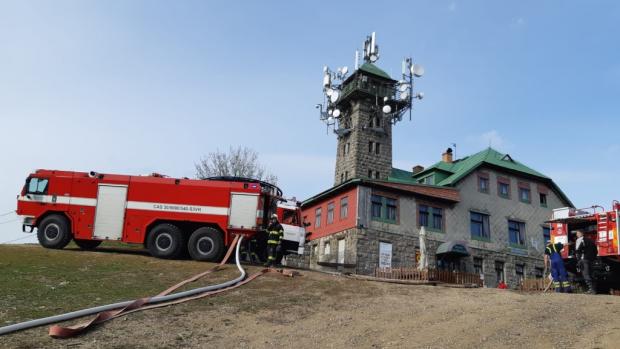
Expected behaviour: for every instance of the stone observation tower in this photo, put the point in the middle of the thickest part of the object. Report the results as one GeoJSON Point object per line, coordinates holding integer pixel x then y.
{"type": "Point", "coordinates": [362, 108]}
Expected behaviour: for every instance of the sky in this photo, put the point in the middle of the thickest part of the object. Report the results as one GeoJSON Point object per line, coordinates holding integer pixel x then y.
{"type": "Point", "coordinates": [136, 87]}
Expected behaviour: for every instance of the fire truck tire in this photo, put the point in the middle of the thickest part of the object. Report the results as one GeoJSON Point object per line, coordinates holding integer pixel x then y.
{"type": "Point", "coordinates": [165, 241]}
{"type": "Point", "coordinates": [53, 232]}
{"type": "Point", "coordinates": [87, 244]}
{"type": "Point", "coordinates": [206, 244]}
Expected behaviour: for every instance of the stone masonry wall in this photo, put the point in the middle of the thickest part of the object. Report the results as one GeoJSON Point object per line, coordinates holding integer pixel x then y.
{"type": "Point", "coordinates": [358, 160]}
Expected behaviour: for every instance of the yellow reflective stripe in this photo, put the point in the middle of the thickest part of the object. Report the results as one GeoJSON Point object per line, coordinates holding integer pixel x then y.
{"type": "Point", "coordinates": [272, 242]}
{"type": "Point", "coordinates": [271, 258]}
{"type": "Point", "coordinates": [554, 248]}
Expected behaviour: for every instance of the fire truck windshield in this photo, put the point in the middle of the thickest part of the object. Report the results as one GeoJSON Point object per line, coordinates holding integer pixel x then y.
{"type": "Point", "coordinates": [36, 186]}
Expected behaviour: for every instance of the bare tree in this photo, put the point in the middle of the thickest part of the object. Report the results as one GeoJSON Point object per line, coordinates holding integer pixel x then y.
{"type": "Point", "coordinates": [238, 162]}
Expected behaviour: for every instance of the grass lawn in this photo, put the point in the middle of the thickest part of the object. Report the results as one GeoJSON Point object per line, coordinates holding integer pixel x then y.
{"type": "Point", "coordinates": [37, 282]}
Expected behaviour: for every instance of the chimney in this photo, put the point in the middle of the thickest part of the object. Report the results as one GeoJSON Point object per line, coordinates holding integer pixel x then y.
{"type": "Point", "coordinates": [447, 156]}
{"type": "Point", "coordinates": [417, 169]}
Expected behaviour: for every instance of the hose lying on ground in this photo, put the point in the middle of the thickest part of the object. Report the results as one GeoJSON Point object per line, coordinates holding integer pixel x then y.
{"type": "Point", "coordinates": [157, 299]}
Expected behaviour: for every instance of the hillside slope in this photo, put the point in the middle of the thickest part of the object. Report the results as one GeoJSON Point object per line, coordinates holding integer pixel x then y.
{"type": "Point", "coordinates": [314, 310]}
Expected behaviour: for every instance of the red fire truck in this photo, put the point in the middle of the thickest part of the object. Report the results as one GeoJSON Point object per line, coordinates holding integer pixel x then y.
{"type": "Point", "coordinates": [168, 215]}
{"type": "Point", "coordinates": [600, 226]}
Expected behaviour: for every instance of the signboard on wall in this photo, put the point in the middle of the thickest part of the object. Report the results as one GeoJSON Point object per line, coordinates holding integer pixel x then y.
{"type": "Point", "coordinates": [385, 255]}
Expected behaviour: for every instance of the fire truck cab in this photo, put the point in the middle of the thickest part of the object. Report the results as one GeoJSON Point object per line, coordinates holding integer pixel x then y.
{"type": "Point", "coordinates": [170, 216]}
{"type": "Point", "coordinates": [598, 225]}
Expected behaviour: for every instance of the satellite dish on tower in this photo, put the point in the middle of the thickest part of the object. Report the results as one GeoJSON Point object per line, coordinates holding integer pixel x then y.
{"type": "Point", "coordinates": [329, 92]}
{"type": "Point", "coordinates": [334, 96]}
{"type": "Point", "coordinates": [373, 58]}
{"type": "Point", "coordinates": [387, 109]}
{"type": "Point", "coordinates": [403, 87]}
{"type": "Point", "coordinates": [345, 70]}
{"type": "Point", "coordinates": [336, 113]}
{"type": "Point", "coordinates": [417, 70]}
{"type": "Point", "coordinates": [404, 95]}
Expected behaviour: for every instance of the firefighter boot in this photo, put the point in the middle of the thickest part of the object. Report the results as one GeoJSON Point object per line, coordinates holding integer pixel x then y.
{"type": "Point", "coordinates": [590, 287]}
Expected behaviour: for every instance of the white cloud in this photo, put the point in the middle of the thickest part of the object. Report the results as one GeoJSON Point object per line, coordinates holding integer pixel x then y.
{"type": "Point", "coordinates": [490, 138]}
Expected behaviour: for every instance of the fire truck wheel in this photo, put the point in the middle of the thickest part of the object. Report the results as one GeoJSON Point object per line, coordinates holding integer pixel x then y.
{"type": "Point", "coordinates": [165, 241]}
{"type": "Point", "coordinates": [206, 244]}
{"type": "Point", "coordinates": [87, 244]}
{"type": "Point", "coordinates": [53, 232]}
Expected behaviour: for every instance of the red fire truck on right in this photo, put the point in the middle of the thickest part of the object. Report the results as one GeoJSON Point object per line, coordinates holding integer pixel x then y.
{"type": "Point", "coordinates": [602, 227]}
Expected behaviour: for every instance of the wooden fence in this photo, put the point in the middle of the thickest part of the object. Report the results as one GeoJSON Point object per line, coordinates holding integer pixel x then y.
{"type": "Point", "coordinates": [534, 284]}
{"type": "Point", "coordinates": [413, 274]}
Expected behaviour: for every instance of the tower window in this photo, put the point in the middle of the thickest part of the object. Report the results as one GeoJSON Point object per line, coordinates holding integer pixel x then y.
{"type": "Point", "coordinates": [346, 175]}
{"type": "Point", "coordinates": [377, 148]}
{"type": "Point", "coordinates": [347, 148]}
{"type": "Point", "coordinates": [342, 177]}
{"type": "Point", "coordinates": [370, 146]}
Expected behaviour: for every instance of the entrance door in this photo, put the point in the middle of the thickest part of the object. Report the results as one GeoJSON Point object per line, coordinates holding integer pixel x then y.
{"type": "Point", "coordinates": [110, 213]}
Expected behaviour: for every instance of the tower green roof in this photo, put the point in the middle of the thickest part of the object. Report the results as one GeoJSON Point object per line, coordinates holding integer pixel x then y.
{"type": "Point", "coordinates": [373, 69]}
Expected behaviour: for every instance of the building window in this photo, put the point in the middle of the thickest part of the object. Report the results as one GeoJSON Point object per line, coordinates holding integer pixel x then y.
{"type": "Point", "coordinates": [390, 206]}
{"type": "Point", "coordinates": [317, 220]}
{"type": "Point", "coordinates": [330, 213]}
{"type": "Point", "coordinates": [341, 177]}
{"type": "Point", "coordinates": [430, 217]}
{"type": "Point", "coordinates": [543, 200]}
{"type": "Point", "coordinates": [344, 207]}
{"type": "Point", "coordinates": [377, 174]}
{"type": "Point", "coordinates": [503, 188]}
{"type": "Point", "coordinates": [326, 249]}
{"type": "Point", "coordinates": [479, 226]}
{"type": "Point", "coordinates": [370, 147]}
{"type": "Point", "coordinates": [525, 193]}
{"type": "Point", "coordinates": [377, 148]}
{"type": "Point", "coordinates": [315, 250]}
{"type": "Point", "coordinates": [384, 208]}
{"type": "Point", "coordinates": [369, 173]}
{"type": "Point", "coordinates": [516, 233]}
{"type": "Point", "coordinates": [347, 148]}
{"type": "Point", "coordinates": [538, 273]}
{"type": "Point", "coordinates": [546, 234]}
{"type": "Point", "coordinates": [499, 271]}
{"type": "Point", "coordinates": [483, 185]}
{"type": "Point", "coordinates": [520, 272]}
{"type": "Point", "coordinates": [346, 175]}
{"type": "Point", "coordinates": [478, 263]}
{"type": "Point", "coordinates": [376, 203]}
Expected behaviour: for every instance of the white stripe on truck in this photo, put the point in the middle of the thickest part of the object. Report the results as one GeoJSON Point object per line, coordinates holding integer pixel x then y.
{"type": "Point", "coordinates": [134, 205]}
{"type": "Point", "coordinates": [157, 206]}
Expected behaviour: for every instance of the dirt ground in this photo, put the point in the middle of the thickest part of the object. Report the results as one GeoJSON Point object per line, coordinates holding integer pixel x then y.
{"type": "Point", "coordinates": [324, 311]}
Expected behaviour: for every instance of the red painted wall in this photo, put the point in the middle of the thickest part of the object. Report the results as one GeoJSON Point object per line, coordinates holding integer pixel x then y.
{"type": "Point", "coordinates": [308, 213]}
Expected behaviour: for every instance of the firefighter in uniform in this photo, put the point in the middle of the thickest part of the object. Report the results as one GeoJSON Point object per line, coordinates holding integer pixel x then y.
{"type": "Point", "coordinates": [554, 260]}
{"type": "Point", "coordinates": [275, 234]}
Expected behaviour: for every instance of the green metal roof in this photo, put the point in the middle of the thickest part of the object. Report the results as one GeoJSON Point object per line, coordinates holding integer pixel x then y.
{"type": "Point", "coordinates": [373, 69]}
{"type": "Point", "coordinates": [460, 168]}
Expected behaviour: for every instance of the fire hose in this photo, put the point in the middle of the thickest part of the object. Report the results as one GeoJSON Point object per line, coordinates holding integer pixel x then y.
{"type": "Point", "coordinates": [106, 312]}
